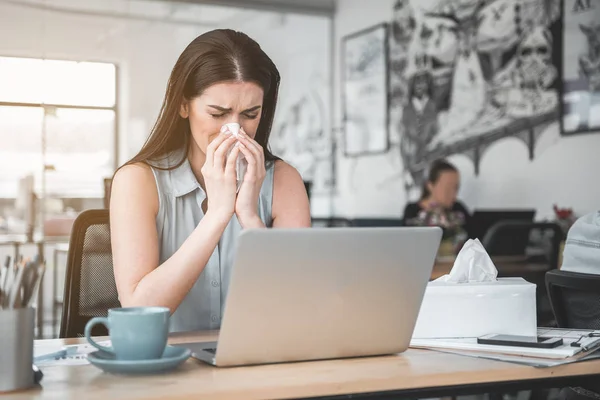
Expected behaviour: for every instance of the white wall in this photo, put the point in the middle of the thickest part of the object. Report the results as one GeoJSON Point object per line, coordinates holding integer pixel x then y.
{"type": "Point", "coordinates": [564, 170]}
{"type": "Point", "coordinates": [145, 52]}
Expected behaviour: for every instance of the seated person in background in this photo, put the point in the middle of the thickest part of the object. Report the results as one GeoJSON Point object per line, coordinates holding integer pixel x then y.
{"type": "Point", "coordinates": [438, 204]}
{"type": "Point", "coordinates": [582, 247]}
{"type": "Point", "coordinates": [175, 211]}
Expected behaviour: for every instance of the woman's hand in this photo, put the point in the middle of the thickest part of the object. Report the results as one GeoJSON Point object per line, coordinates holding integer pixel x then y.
{"type": "Point", "coordinates": [219, 175]}
{"type": "Point", "coordinates": [246, 205]}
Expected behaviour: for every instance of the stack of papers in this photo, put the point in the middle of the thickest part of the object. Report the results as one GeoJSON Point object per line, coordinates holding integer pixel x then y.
{"type": "Point", "coordinates": [76, 356]}
{"type": "Point", "coordinates": [536, 357]}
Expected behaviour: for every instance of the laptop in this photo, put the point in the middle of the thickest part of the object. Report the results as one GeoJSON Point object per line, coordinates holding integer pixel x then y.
{"type": "Point", "coordinates": [322, 293]}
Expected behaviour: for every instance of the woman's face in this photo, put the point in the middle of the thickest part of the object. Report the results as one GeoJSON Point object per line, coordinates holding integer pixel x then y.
{"type": "Point", "coordinates": [445, 190]}
{"type": "Point", "coordinates": [221, 104]}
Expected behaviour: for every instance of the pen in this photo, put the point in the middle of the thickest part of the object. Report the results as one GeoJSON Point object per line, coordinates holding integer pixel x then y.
{"type": "Point", "coordinates": [68, 351]}
{"type": "Point", "coordinates": [591, 345]}
{"type": "Point", "coordinates": [50, 356]}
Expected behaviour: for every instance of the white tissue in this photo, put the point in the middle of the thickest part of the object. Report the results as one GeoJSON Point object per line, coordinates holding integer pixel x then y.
{"type": "Point", "coordinates": [241, 163]}
{"type": "Point", "coordinates": [472, 264]}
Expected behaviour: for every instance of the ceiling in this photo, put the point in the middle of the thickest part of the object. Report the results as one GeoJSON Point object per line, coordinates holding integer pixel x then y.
{"type": "Point", "coordinates": [314, 7]}
{"type": "Point", "coordinates": [207, 13]}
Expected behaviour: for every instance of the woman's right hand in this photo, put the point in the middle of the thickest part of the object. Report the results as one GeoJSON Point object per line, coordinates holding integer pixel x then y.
{"type": "Point", "coordinates": [219, 173]}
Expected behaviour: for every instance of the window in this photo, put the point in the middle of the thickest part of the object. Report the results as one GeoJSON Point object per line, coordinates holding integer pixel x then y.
{"type": "Point", "coordinates": [29, 80]}
{"type": "Point", "coordinates": [57, 124]}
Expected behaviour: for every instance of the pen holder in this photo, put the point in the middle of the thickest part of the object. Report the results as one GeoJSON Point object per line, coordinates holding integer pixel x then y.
{"type": "Point", "coordinates": [16, 348]}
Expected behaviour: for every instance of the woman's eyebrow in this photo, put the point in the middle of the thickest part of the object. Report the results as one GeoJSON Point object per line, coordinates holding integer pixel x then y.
{"type": "Point", "coordinates": [224, 109]}
{"type": "Point", "coordinates": [219, 108]}
{"type": "Point", "coordinates": [252, 109]}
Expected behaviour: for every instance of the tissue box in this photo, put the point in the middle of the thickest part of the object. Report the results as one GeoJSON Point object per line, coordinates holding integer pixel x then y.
{"type": "Point", "coordinates": [506, 306]}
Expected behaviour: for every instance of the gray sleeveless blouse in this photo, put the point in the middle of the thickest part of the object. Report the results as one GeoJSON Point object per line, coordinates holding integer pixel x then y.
{"type": "Point", "coordinates": [179, 212]}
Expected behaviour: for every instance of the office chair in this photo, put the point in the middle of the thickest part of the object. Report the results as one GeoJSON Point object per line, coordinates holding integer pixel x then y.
{"type": "Point", "coordinates": [511, 238]}
{"type": "Point", "coordinates": [377, 222]}
{"type": "Point", "coordinates": [575, 299]}
{"type": "Point", "coordinates": [90, 288]}
{"type": "Point", "coordinates": [331, 222]}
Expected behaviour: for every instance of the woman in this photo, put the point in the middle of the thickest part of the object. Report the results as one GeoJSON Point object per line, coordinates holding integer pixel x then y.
{"type": "Point", "coordinates": [174, 212]}
{"type": "Point", "coordinates": [439, 198]}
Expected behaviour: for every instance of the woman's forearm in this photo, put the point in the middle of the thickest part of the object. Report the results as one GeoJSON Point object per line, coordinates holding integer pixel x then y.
{"type": "Point", "coordinates": [169, 283]}
{"type": "Point", "coordinates": [251, 223]}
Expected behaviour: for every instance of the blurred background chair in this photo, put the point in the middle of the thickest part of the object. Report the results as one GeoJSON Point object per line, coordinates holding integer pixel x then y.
{"type": "Point", "coordinates": [90, 288]}
{"type": "Point", "coordinates": [575, 300]}
{"type": "Point", "coordinates": [535, 242]}
{"type": "Point", "coordinates": [377, 222]}
{"type": "Point", "coordinates": [513, 238]}
{"type": "Point", "coordinates": [332, 222]}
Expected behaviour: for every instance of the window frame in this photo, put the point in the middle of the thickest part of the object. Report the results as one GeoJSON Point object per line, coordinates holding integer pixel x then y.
{"type": "Point", "coordinates": [114, 108]}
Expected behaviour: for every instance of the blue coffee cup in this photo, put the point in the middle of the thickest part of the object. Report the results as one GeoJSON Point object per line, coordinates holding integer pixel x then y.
{"type": "Point", "coordinates": [136, 333]}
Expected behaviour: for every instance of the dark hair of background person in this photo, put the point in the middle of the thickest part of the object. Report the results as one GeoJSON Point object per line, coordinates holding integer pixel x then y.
{"type": "Point", "coordinates": [436, 170]}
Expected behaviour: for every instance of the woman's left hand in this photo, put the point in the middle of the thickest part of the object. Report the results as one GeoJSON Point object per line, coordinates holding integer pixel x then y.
{"type": "Point", "coordinates": [246, 205]}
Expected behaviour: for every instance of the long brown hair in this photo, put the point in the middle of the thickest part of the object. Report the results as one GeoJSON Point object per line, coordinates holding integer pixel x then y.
{"type": "Point", "coordinates": [216, 56]}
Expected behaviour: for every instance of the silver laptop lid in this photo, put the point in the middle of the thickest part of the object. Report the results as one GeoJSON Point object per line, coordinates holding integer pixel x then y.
{"type": "Point", "coordinates": [305, 294]}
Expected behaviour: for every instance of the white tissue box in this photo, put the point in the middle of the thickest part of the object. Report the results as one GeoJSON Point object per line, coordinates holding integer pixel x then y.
{"type": "Point", "coordinates": [506, 306]}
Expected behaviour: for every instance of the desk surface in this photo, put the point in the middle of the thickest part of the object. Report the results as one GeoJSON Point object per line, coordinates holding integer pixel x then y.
{"type": "Point", "coordinates": [410, 372]}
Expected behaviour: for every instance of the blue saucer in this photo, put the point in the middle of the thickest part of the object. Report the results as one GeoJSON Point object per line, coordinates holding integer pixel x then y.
{"type": "Point", "coordinates": [172, 358]}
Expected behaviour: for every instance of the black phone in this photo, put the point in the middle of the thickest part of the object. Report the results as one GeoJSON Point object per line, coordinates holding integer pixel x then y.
{"type": "Point", "coordinates": [521, 341]}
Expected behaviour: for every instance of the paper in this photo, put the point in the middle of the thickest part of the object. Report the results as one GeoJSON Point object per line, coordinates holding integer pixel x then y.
{"type": "Point", "coordinates": [241, 163]}
{"type": "Point", "coordinates": [536, 362]}
{"type": "Point", "coordinates": [469, 346]}
{"type": "Point", "coordinates": [472, 264]}
{"type": "Point", "coordinates": [79, 358]}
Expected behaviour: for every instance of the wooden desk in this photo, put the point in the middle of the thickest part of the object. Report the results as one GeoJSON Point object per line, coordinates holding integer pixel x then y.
{"type": "Point", "coordinates": [506, 265]}
{"type": "Point", "coordinates": [415, 373]}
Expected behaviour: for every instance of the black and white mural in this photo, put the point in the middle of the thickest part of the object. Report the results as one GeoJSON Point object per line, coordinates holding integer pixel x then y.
{"type": "Point", "coordinates": [581, 66]}
{"type": "Point", "coordinates": [466, 73]}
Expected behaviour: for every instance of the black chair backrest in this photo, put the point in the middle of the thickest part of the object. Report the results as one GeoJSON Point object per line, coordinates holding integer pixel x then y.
{"type": "Point", "coordinates": [510, 238]}
{"type": "Point", "coordinates": [575, 299]}
{"type": "Point", "coordinates": [332, 222]}
{"type": "Point", "coordinates": [377, 222]}
{"type": "Point", "coordinates": [90, 288]}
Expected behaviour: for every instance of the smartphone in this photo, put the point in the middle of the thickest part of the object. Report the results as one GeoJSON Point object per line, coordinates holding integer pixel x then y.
{"type": "Point", "coordinates": [521, 341]}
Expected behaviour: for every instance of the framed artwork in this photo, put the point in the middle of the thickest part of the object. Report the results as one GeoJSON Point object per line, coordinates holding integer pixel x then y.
{"type": "Point", "coordinates": [365, 92]}
{"type": "Point", "coordinates": [580, 67]}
